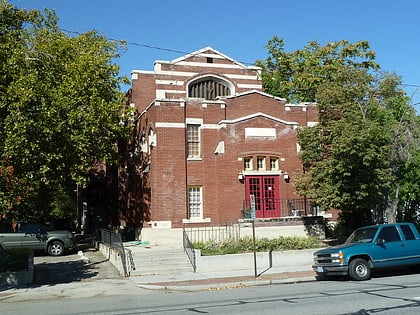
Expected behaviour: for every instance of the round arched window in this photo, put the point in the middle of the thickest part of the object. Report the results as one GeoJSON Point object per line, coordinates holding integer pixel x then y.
{"type": "Point", "coordinates": [209, 88]}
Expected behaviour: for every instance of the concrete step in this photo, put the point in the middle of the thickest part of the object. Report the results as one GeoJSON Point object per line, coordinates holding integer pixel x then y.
{"type": "Point", "coordinates": [158, 261]}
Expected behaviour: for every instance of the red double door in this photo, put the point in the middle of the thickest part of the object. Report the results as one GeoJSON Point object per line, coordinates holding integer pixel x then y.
{"type": "Point", "coordinates": [265, 191]}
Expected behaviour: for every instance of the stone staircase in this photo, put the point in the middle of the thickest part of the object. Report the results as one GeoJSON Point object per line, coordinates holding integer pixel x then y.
{"type": "Point", "coordinates": [157, 260]}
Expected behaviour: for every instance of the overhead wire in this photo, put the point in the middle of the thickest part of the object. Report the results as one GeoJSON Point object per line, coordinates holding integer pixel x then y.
{"type": "Point", "coordinates": [178, 51]}
{"type": "Point", "coordinates": [145, 45]}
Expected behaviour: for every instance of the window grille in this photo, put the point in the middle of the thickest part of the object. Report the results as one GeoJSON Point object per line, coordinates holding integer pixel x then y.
{"type": "Point", "coordinates": [209, 88]}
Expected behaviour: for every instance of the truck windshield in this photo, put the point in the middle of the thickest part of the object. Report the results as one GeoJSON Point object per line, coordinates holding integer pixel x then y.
{"type": "Point", "coordinates": [363, 235]}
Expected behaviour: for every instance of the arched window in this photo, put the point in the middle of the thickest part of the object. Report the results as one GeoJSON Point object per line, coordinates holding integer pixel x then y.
{"type": "Point", "coordinates": [209, 88]}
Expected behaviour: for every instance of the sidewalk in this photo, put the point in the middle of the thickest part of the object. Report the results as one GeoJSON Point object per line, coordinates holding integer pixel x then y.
{"type": "Point", "coordinates": [105, 284]}
{"type": "Point", "coordinates": [290, 271]}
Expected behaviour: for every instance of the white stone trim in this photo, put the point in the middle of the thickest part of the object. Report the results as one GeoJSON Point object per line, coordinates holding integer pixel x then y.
{"type": "Point", "coordinates": [170, 82]}
{"type": "Point", "coordinates": [250, 86]}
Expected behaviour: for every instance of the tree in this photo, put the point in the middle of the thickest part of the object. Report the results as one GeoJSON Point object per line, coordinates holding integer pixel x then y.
{"type": "Point", "coordinates": [352, 158]}
{"type": "Point", "coordinates": [409, 207]}
{"type": "Point", "coordinates": [61, 105]}
{"type": "Point", "coordinates": [13, 190]}
{"type": "Point", "coordinates": [297, 75]}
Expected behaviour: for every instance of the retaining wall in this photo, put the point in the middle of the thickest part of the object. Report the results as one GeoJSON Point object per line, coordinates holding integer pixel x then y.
{"type": "Point", "coordinates": [292, 260]}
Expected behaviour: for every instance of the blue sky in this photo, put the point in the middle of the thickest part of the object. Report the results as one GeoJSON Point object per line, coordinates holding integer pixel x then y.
{"type": "Point", "coordinates": [241, 29]}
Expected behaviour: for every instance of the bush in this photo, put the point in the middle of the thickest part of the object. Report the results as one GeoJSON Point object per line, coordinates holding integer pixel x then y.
{"type": "Point", "coordinates": [14, 259]}
{"type": "Point", "coordinates": [246, 245]}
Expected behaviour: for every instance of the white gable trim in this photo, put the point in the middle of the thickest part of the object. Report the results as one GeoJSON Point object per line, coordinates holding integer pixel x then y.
{"type": "Point", "coordinates": [215, 54]}
{"type": "Point", "coordinates": [259, 114]}
{"type": "Point", "coordinates": [258, 92]}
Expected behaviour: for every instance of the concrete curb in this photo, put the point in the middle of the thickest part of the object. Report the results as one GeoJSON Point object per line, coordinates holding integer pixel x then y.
{"type": "Point", "coordinates": [225, 285]}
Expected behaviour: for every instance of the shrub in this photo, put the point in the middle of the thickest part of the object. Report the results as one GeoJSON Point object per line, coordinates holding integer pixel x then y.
{"type": "Point", "coordinates": [246, 245]}
{"type": "Point", "coordinates": [14, 259]}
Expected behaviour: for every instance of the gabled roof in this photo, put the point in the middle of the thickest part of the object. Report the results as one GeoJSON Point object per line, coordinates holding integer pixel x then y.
{"type": "Point", "coordinates": [257, 92]}
{"type": "Point", "coordinates": [203, 51]}
{"type": "Point", "coordinates": [255, 115]}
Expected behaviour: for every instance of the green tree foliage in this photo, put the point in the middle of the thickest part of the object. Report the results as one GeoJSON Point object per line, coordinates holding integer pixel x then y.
{"type": "Point", "coordinates": [297, 75]}
{"type": "Point", "coordinates": [353, 157]}
{"type": "Point", "coordinates": [60, 101]}
{"type": "Point", "coordinates": [410, 186]}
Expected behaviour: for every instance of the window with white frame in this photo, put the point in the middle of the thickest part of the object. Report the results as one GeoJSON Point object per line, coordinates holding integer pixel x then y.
{"type": "Point", "coordinates": [248, 164]}
{"type": "Point", "coordinates": [261, 163]}
{"type": "Point", "coordinates": [274, 163]}
{"type": "Point", "coordinates": [195, 203]}
{"type": "Point", "coordinates": [193, 140]}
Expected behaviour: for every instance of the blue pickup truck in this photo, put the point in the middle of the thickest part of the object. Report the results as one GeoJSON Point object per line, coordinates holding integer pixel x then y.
{"type": "Point", "coordinates": [370, 247]}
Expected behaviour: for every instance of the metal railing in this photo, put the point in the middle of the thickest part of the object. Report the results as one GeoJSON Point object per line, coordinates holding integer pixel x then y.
{"type": "Point", "coordinates": [189, 249]}
{"type": "Point", "coordinates": [218, 234]}
{"type": "Point", "coordinates": [280, 208]}
{"type": "Point", "coordinates": [114, 240]}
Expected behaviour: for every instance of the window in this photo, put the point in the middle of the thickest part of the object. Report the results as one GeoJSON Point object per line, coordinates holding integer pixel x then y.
{"type": "Point", "coordinates": [261, 163]}
{"type": "Point", "coordinates": [274, 164]}
{"type": "Point", "coordinates": [248, 163]}
{"type": "Point", "coordinates": [194, 203]}
{"type": "Point", "coordinates": [408, 233]}
{"type": "Point", "coordinates": [209, 88]}
{"type": "Point", "coordinates": [193, 140]}
{"type": "Point", "coordinates": [389, 234]}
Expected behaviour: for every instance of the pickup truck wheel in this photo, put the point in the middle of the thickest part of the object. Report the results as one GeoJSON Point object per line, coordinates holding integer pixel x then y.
{"type": "Point", "coordinates": [359, 269]}
{"type": "Point", "coordinates": [56, 248]}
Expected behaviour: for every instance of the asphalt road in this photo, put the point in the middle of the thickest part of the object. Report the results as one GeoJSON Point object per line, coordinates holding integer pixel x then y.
{"type": "Point", "coordinates": [381, 295]}
{"type": "Point", "coordinates": [70, 268]}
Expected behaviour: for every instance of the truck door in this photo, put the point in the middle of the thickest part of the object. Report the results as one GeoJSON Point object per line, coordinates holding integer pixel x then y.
{"type": "Point", "coordinates": [411, 243]}
{"type": "Point", "coordinates": [388, 248]}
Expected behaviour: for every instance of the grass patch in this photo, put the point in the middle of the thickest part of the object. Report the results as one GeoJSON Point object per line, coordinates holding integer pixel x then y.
{"type": "Point", "coordinates": [14, 259]}
{"type": "Point", "coordinates": [246, 245]}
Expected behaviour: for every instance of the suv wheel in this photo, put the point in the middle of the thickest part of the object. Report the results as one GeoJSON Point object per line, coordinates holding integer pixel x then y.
{"type": "Point", "coordinates": [55, 248]}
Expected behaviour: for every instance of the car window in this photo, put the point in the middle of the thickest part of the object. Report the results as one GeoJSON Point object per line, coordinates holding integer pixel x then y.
{"type": "Point", "coordinates": [30, 228]}
{"type": "Point", "coordinates": [389, 234]}
{"type": "Point", "coordinates": [408, 233]}
{"type": "Point", "coordinates": [6, 227]}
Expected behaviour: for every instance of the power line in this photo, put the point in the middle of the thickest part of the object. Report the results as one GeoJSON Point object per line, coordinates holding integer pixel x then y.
{"type": "Point", "coordinates": [410, 85]}
{"type": "Point", "coordinates": [146, 46]}
{"type": "Point", "coordinates": [177, 51]}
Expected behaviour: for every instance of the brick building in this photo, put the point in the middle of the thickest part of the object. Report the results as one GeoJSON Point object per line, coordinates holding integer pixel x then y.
{"type": "Point", "coordinates": [209, 145]}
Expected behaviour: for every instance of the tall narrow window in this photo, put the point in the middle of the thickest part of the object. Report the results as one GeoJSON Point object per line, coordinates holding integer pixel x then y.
{"type": "Point", "coordinates": [195, 203]}
{"type": "Point", "coordinates": [193, 140]}
{"type": "Point", "coordinates": [274, 164]}
{"type": "Point", "coordinates": [248, 164]}
{"type": "Point", "coordinates": [261, 163]}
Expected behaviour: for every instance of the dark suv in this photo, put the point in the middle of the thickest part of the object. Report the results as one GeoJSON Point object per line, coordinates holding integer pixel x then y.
{"type": "Point", "coordinates": [36, 237]}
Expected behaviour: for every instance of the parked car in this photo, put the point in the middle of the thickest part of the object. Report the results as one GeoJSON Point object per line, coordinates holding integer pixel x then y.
{"type": "Point", "coordinates": [36, 237]}
{"type": "Point", "coordinates": [372, 247]}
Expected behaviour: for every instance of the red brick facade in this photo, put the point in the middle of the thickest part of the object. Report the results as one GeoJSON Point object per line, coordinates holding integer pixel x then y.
{"type": "Point", "coordinates": [246, 142]}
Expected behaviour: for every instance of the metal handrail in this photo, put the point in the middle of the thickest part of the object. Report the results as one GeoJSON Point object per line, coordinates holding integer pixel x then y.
{"type": "Point", "coordinates": [189, 249]}
{"type": "Point", "coordinates": [114, 240]}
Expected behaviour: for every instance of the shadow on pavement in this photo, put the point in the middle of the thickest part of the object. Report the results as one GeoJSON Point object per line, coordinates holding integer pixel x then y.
{"type": "Point", "coordinates": [70, 268]}
{"type": "Point", "coordinates": [62, 272]}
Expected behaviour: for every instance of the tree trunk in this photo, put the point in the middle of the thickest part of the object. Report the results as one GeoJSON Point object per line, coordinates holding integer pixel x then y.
{"type": "Point", "coordinates": [391, 207]}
